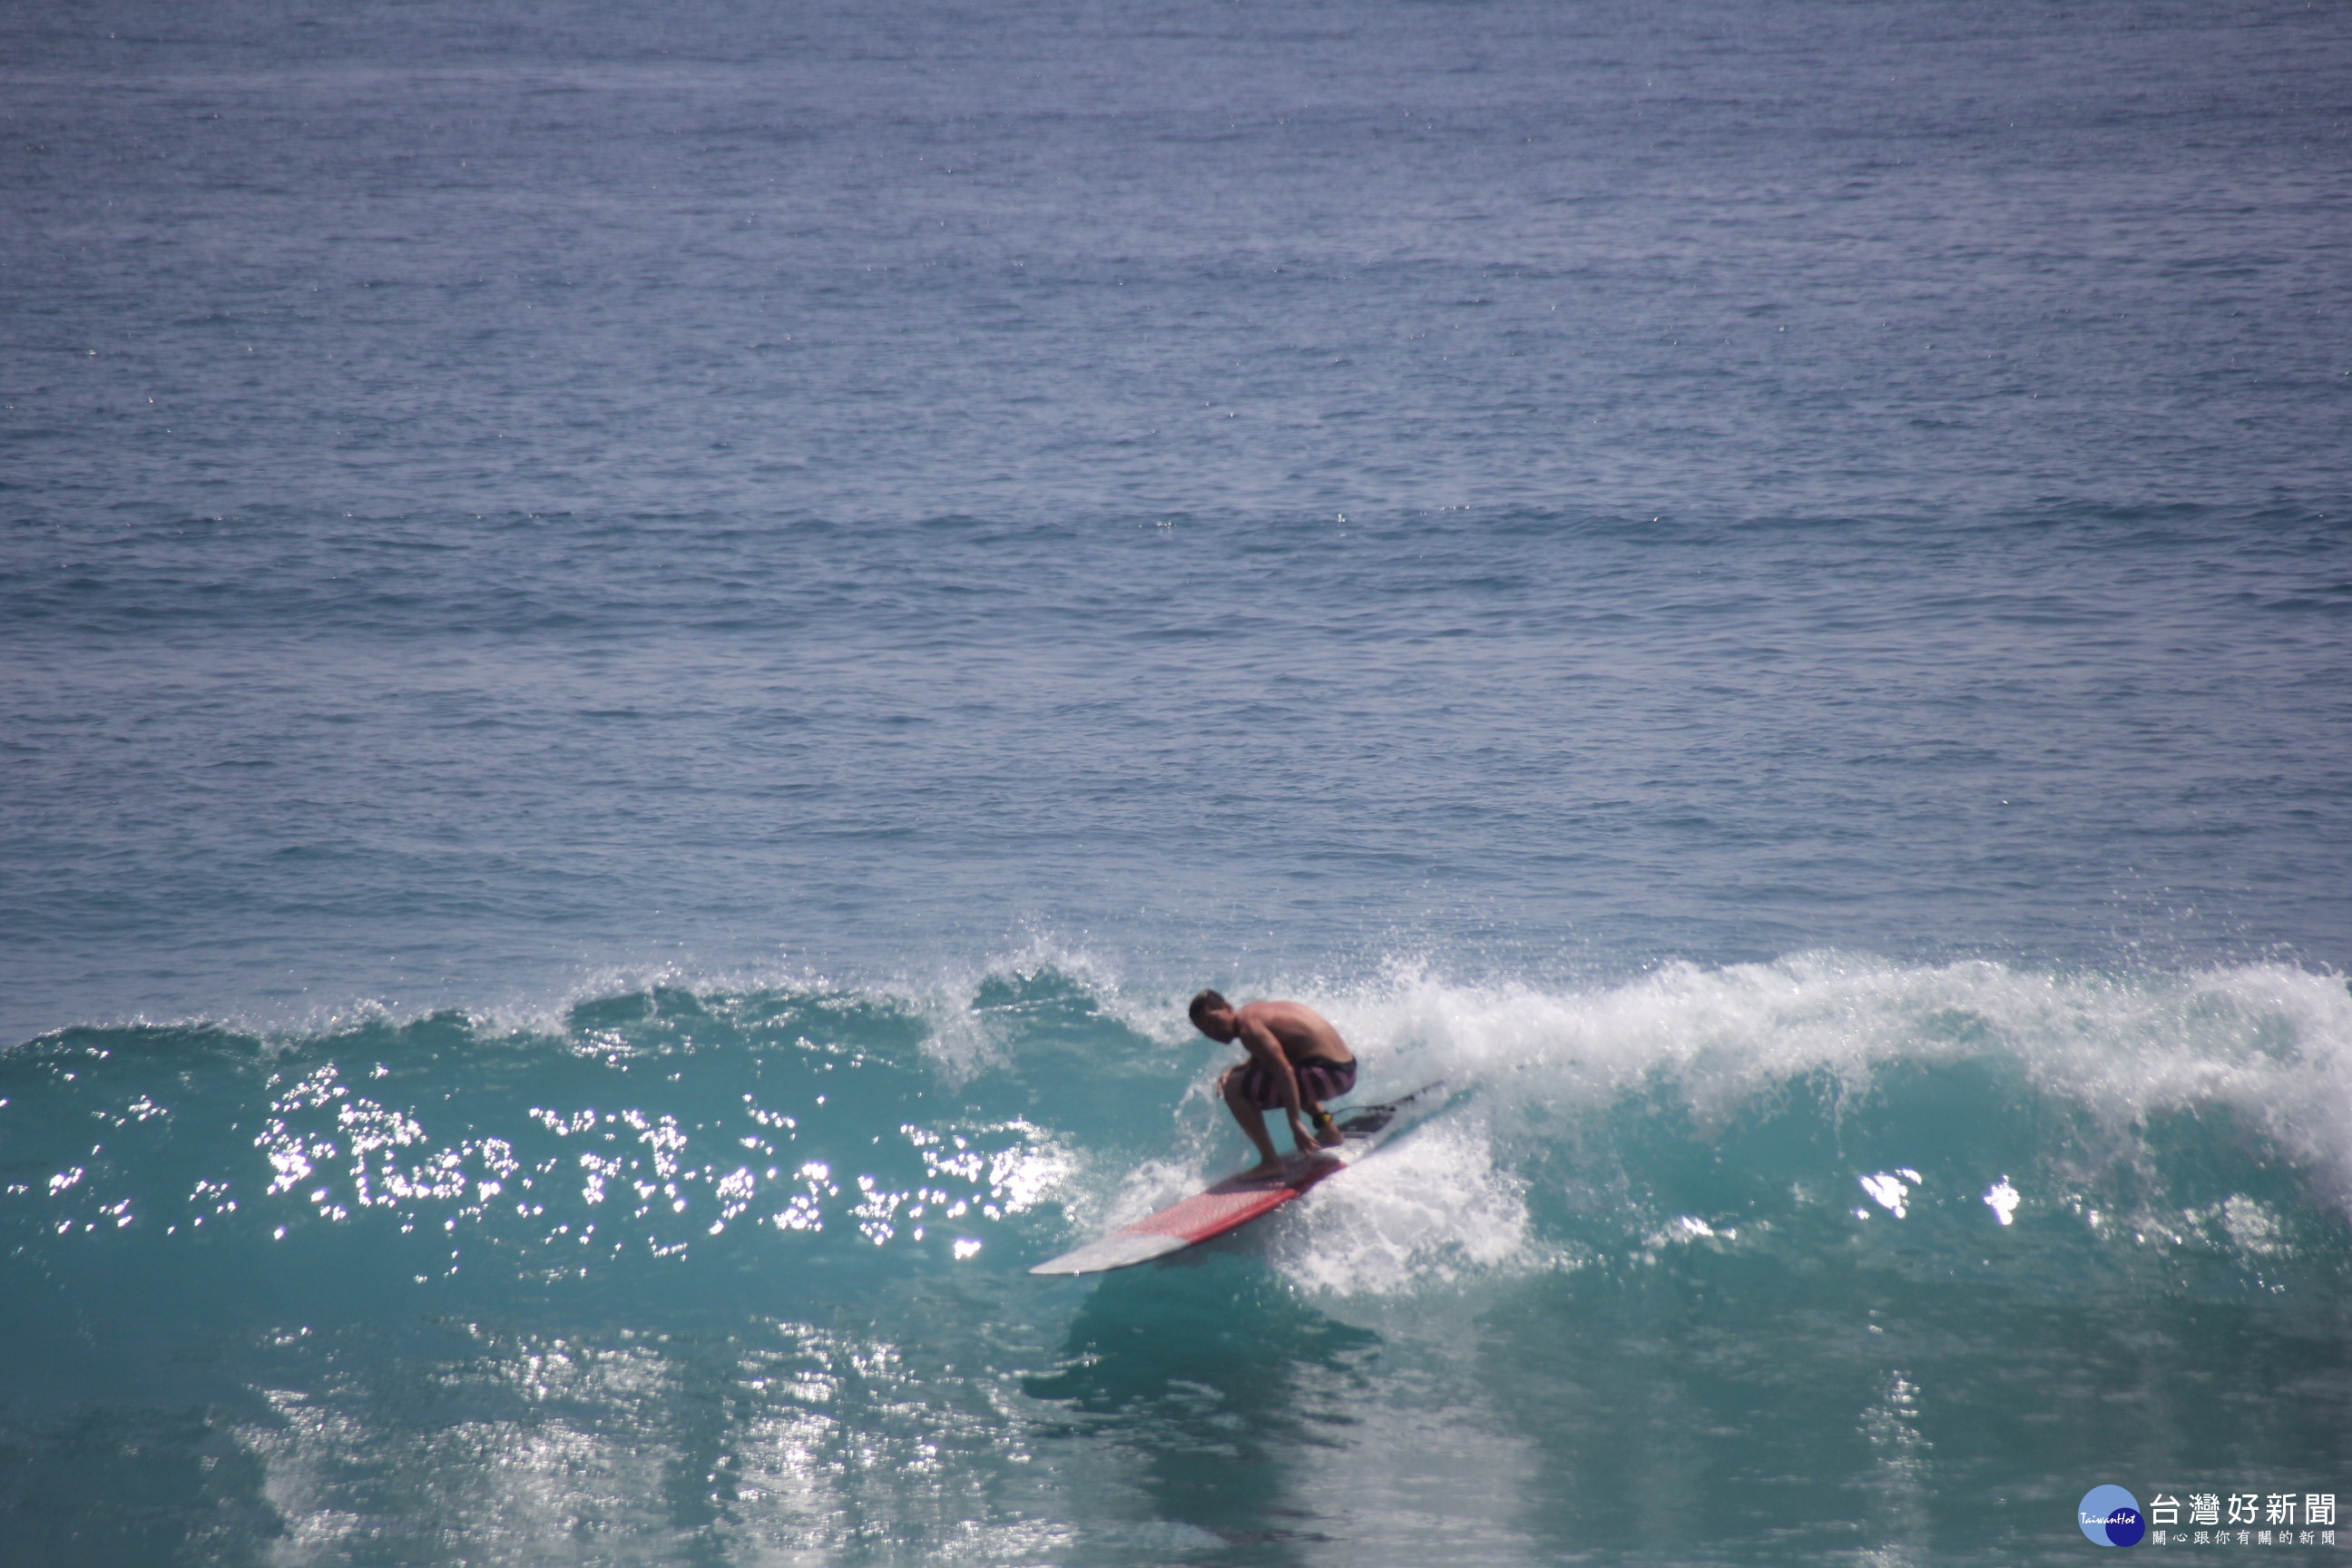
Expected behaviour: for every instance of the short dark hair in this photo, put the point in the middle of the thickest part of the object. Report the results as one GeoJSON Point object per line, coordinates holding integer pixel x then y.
{"type": "Point", "coordinates": [1207, 1002]}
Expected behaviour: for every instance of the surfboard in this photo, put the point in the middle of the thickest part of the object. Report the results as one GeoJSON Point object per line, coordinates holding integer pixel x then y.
{"type": "Point", "coordinates": [1237, 1200]}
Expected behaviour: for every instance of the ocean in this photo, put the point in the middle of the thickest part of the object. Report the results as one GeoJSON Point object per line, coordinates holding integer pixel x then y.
{"type": "Point", "coordinates": [645, 650]}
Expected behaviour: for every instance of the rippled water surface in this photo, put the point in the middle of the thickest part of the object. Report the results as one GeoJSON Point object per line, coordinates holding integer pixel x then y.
{"type": "Point", "coordinates": [646, 649]}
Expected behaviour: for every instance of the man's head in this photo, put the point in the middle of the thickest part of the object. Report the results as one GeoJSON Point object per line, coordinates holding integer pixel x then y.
{"type": "Point", "coordinates": [1214, 1016]}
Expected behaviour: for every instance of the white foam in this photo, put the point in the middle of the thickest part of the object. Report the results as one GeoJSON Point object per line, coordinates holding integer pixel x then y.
{"type": "Point", "coordinates": [1431, 1204]}
{"type": "Point", "coordinates": [2269, 1044]}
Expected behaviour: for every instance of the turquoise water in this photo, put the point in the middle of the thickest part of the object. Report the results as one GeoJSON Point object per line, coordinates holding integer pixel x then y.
{"type": "Point", "coordinates": [1818, 1260]}
{"type": "Point", "coordinates": [643, 650]}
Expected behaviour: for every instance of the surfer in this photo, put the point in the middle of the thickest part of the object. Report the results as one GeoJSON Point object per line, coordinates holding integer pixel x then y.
{"type": "Point", "coordinates": [1297, 1061]}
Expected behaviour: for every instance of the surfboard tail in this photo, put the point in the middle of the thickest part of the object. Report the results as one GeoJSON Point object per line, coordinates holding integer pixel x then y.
{"type": "Point", "coordinates": [1367, 1120]}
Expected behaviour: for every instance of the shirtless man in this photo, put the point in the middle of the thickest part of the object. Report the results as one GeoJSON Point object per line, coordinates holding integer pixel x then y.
{"type": "Point", "coordinates": [1297, 1061]}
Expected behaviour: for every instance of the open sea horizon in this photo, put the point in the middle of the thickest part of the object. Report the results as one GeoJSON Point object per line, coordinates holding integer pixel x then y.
{"type": "Point", "coordinates": [643, 650]}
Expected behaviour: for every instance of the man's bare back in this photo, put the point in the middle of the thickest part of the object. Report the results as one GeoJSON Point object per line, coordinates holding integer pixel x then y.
{"type": "Point", "coordinates": [1304, 1033]}
{"type": "Point", "coordinates": [1297, 1060]}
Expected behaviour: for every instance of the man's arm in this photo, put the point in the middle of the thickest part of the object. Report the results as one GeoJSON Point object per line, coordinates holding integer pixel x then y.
{"type": "Point", "coordinates": [1259, 1041]}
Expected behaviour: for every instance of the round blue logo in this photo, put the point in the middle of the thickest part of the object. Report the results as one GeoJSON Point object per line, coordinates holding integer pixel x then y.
{"type": "Point", "coordinates": [2111, 1517]}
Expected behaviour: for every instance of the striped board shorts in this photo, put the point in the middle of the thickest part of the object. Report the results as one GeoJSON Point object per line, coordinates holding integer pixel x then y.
{"type": "Point", "coordinates": [1318, 1081]}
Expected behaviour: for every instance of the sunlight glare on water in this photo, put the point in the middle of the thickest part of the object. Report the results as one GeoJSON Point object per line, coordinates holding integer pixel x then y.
{"type": "Point", "coordinates": [647, 650]}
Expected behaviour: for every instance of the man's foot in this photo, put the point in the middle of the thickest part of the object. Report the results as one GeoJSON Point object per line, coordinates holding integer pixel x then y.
{"type": "Point", "coordinates": [1275, 1166]}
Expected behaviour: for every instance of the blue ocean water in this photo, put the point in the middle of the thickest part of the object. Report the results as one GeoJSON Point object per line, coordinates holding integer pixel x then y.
{"type": "Point", "coordinates": [646, 648]}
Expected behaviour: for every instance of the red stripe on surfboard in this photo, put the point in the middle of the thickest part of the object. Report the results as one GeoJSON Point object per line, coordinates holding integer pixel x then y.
{"type": "Point", "coordinates": [1226, 1205]}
